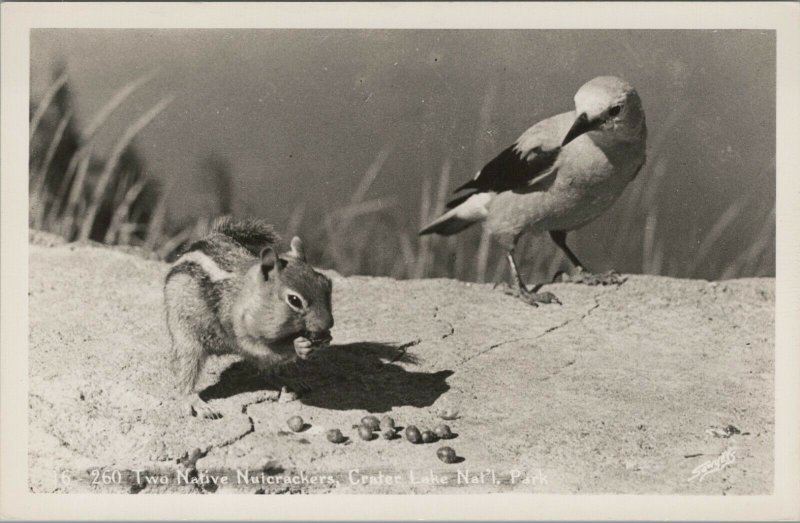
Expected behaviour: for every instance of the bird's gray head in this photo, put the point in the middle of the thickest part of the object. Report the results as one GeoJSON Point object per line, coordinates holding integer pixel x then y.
{"type": "Point", "coordinates": [610, 106]}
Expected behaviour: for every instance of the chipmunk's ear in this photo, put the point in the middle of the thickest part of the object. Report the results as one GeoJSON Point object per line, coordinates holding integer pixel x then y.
{"type": "Point", "coordinates": [268, 262]}
{"type": "Point", "coordinates": [297, 249]}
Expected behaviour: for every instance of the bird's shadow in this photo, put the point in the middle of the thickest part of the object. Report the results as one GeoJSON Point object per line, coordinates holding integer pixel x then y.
{"type": "Point", "coordinates": [364, 376]}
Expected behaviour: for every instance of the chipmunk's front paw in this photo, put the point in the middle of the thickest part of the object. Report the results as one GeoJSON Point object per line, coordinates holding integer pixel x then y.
{"type": "Point", "coordinates": [304, 348]}
{"type": "Point", "coordinates": [308, 348]}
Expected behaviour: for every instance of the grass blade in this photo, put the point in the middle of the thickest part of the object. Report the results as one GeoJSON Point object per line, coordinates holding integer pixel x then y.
{"type": "Point", "coordinates": [45, 102]}
{"type": "Point", "coordinates": [648, 244]}
{"type": "Point", "coordinates": [295, 220]}
{"type": "Point", "coordinates": [122, 212]}
{"type": "Point", "coordinates": [482, 257]}
{"type": "Point", "coordinates": [39, 193]}
{"type": "Point", "coordinates": [76, 194]}
{"type": "Point", "coordinates": [720, 227]}
{"type": "Point", "coordinates": [176, 241]}
{"type": "Point", "coordinates": [423, 252]}
{"type": "Point", "coordinates": [155, 229]}
{"type": "Point", "coordinates": [371, 174]}
{"type": "Point", "coordinates": [111, 163]}
{"type": "Point", "coordinates": [54, 143]}
{"type": "Point", "coordinates": [116, 100]}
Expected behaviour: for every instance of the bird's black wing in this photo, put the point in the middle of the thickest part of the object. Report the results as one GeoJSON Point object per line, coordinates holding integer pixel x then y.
{"type": "Point", "coordinates": [511, 170]}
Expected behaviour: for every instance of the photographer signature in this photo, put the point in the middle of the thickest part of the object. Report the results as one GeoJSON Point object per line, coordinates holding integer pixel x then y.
{"type": "Point", "coordinates": [714, 465]}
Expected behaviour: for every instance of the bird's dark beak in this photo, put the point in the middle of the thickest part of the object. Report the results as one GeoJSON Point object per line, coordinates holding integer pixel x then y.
{"type": "Point", "coordinates": [582, 125]}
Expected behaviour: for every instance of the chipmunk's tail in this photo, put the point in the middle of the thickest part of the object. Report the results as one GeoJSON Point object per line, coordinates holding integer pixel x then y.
{"type": "Point", "coordinates": [252, 234]}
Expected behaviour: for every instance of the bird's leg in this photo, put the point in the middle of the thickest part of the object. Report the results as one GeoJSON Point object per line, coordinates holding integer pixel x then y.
{"type": "Point", "coordinates": [560, 239]}
{"type": "Point", "coordinates": [519, 290]}
{"type": "Point", "coordinates": [583, 276]}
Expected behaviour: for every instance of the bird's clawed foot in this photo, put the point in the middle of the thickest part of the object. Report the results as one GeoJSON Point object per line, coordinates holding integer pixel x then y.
{"type": "Point", "coordinates": [530, 297]}
{"type": "Point", "coordinates": [587, 278]}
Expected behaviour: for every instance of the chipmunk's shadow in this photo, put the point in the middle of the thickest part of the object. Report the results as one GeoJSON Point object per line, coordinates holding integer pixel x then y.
{"type": "Point", "coordinates": [367, 376]}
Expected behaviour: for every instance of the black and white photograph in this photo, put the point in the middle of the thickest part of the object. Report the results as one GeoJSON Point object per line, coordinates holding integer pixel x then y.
{"type": "Point", "coordinates": [309, 258]}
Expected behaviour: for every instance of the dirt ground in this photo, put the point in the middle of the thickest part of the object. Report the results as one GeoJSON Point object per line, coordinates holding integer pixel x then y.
{"type": "Point", "coordinates": [625, 389]}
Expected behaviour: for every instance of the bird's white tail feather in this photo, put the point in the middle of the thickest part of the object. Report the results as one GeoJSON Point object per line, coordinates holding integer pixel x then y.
{"type": "Point", "coordinates": [472, 211]}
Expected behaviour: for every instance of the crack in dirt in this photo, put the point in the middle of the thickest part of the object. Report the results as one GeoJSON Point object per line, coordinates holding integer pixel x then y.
{"type": "Point", "coordinates": [490, 348]}
{"type": "Point", "coordinates": [250, 430]}
{"type": "Point", "coordinates": [239, 437]}
{"type": "Point", "coordinates": [48, 430]}
{"type": "Point", "coordinates": [451, 330]}
{"type": "Point", "coordinates": [547, 331]}
{"type": "Point", "coordinates": [249, 404]}
{"type": "Point", "coordinates": [450, 327]}
{"type": "Point", "coordinates": [402, 350]}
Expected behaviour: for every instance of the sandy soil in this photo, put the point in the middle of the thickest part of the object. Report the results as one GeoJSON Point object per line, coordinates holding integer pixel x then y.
{"type": "Point", "coordinates": [620, 390]}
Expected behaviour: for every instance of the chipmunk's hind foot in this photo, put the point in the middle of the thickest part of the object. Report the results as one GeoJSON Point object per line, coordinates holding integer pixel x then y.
{"type": "Point", "coordinates": [195, 406]}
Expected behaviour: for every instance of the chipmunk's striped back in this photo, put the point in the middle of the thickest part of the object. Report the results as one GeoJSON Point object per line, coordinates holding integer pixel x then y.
{"type": "Point", "coordinates": [231, 247]}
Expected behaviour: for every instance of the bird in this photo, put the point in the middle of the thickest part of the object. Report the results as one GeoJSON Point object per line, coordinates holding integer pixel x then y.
{"type": "Point", "coordinates": [559, 175]}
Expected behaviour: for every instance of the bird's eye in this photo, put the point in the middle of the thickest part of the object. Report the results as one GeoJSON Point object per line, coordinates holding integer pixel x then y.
{"type": "Point", "coordinates": [294, 301]}
{"type": "Point", "coordinates": [614, 111]}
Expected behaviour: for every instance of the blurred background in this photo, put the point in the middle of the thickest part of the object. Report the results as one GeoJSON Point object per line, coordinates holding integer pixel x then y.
{"type": "Point", "coordinates": [355, 139]}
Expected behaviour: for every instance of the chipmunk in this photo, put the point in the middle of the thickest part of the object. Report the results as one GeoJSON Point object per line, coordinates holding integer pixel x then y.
{"type": "Point", "coordinates": [230, 293]}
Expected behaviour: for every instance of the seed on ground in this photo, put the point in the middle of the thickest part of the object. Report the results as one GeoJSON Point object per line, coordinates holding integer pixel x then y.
{"type": "Point", "coordinates": [449, 414]}
{"type": "Point", "coordinates": [443, 431]}
{"type": "Point", "coordinates": [365, 433]}
{"type": "Point", "coordinates": [335, 436]}
{"type": "Point", "coordinates": [371, 422]}
{"type": "Point", "coordinates": [428, 436]}
{"type": "Point", "coordinates": [296, 423]}
{"type": "Point", "coordinates": [413, 435]}
{"type": "Point", "coordinates": [446, 454]}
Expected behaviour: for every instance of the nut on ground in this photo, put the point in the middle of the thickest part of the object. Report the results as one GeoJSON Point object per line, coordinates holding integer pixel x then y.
{"type": "Point", "coordinates": [413, 435]}
{"type": "Point", "coordinates": [296, 423]}
{"type": "Point", "coordinates": [371, 422]}
{"type": "Point", "coordinates": [335, 436]}
{"type": "Point", "coordinates": [365, 433]}
{"type": "Point", "coordinates": [449, 414]}
{"type": "Point", "coordinates": [443, 431]}
{"type": "Point", "coordinates": [428, 436]}
{"type": "Point", "coordinates": [446, 454]}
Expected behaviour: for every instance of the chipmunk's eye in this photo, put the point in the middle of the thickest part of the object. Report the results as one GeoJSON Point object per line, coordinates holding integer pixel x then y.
{"type": "Point", "coordinates": [614, 111]}
{"type": "Point", "coordinates": [295, 301]}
